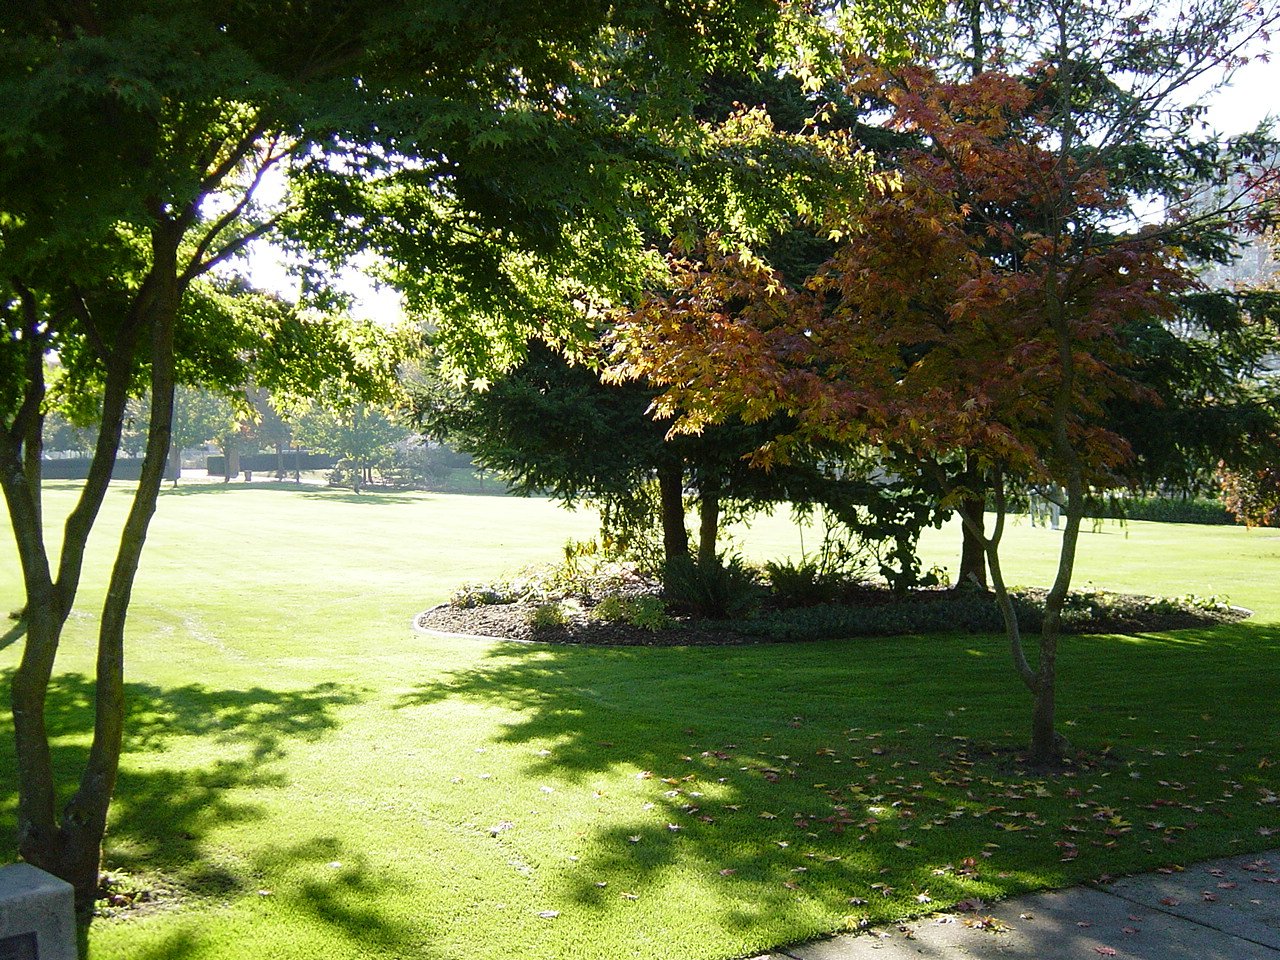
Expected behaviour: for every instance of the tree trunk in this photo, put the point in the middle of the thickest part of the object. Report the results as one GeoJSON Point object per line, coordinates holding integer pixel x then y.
{"type": "Point", "coordinates": [38, 838]}
{"type": "Point", "coordinates": [675, 538]}
{"type": "Point", "coordinates": [70, 846]}
{"type": "Point", "coordinates": [973, 557]}
{"type": "Point", "coordinates": [708, 525]}
{"type": "Point", "coordinates": [175, 464]}
{"type": "Point", "coordinates": [279, 460]}
{"type": "Point", "coordinates": [232, 462]}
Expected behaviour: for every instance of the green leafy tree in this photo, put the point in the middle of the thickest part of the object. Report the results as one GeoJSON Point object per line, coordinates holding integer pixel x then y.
{"type": "Point", "coordinates": [484, 151]}
{"type": "Point", "coordinates": [360, 435]}
{"type": "Point", "coordinates": [1210, 403]}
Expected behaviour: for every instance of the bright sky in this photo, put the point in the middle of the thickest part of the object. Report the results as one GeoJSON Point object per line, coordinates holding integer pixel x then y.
{"type": "Point", "coordinates": [1253, 95]}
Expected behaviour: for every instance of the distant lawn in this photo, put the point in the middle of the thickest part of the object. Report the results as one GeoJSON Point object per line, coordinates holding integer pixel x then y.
{"type": "Point", "coordinates": [323, 782]}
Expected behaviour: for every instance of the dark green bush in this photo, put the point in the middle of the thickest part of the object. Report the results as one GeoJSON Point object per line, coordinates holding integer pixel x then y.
{"type": "Point", "coordinates": [800, 583]}
{"type": "Point", "coordinates": [726, 587]}
{"type": "Point", "coordinates": [1163, 510]}
{"type": "Point", "coordinates": [966, 611]}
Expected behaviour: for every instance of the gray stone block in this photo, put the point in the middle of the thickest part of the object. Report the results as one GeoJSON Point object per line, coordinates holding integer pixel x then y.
{"type": "Point", "coordinates": [37, 915]}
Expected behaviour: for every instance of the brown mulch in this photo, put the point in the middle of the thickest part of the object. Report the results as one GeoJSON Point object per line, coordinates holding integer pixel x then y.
{"type": "Point", "coordinates": [509, 621]}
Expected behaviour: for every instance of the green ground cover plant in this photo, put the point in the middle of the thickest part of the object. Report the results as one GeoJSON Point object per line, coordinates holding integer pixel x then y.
{"type": "Point", "coordinates": [306, 776]}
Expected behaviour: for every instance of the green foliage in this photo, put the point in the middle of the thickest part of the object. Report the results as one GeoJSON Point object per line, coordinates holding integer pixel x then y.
{"type": "Point", "coordinates": [546, 616]}
{"type": "Point", "coordinates": [362, 436]}
{"type": "Point", "coordinates": [586, 573]}
{"type": "Point", "coordinates": [646, 611]}
{"type": "Point", "coordinates": [1163, 510]}
{"type": "Point", "coordinates": [551, 426]}
{"type": "Point", "coordinates": [821, 576]}
{"type": "Point", "coordinates": [470, 595]}
{"type": "Point", "coordinates": [415, 464]}
{"type": "Point", "coordinates": [1208, 402]}
{"type": "Point", "coordinates": [726, 587]}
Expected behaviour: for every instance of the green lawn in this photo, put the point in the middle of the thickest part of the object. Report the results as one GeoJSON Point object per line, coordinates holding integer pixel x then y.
{"type": "Point", "coordinates": [326, 783]}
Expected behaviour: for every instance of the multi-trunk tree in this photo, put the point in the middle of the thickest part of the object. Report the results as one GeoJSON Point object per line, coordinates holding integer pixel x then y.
{"type": "Point", "coordinates": [468, 142]}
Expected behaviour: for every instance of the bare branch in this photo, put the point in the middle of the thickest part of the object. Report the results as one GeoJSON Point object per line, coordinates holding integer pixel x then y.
{"type": "Point", "coordinates": [271, 158]}
{"type": "Point", "coordinates": [231, 249]}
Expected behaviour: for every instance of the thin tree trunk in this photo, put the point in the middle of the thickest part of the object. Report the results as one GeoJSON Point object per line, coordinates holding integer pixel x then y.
{"type": "Point", "coordinates": [175, 463]}
{"type": "Point", "coordinates": [973, 557]}
{"type": "Point", "coordinates": [675, 538]}
{"type": "Point", "coordinates": [708, 525]}
{"type": "Point", "coordinates": [38, 839]}
{"type": "Point", "coordinates": [80, 521]}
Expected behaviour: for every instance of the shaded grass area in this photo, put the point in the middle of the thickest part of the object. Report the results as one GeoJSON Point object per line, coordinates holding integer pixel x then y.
{"type": "Point", "coordinates": [320, 781]}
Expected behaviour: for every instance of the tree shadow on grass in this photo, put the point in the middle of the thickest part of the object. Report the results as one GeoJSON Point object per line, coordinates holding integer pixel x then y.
{"type": "Point", "coordinates": [161, 815]}
{"type": "Point", "coordinates": [881, 771]}
{"type": "Point", "coordinates": [346, 900]}
{"type": "Point", "coordinates": [208, 489]}
{"type": "Point", "coordinates": [342, 898]}
{"type": "Point", "coordinates": [370, 498]}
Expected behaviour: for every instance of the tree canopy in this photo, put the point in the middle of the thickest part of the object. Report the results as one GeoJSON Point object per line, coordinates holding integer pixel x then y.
{"type": "Point", "coordinates": [146, 146]}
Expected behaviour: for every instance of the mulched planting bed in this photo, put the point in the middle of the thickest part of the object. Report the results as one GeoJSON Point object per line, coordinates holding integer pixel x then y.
{"type": "Point", "coordinates": [863, 613]}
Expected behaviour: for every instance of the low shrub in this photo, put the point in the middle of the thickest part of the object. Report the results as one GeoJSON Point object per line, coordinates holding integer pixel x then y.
{"type": "Point", "coordinates": [480, 595]}
{"type": "Point", "coordinates": [546, 616]}
{"type": "Point", "coordinates": [969, 611]}
{"type": "Point", "coordinates": [645, 611]}
{"type": "Point", "coordinates": [725, 587]}
{"type": "Point", "coordinates": [800, 583]}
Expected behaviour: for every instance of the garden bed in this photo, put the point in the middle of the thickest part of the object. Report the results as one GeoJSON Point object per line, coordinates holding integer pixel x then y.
{"type": "Point", "coordinates": [869, 610]}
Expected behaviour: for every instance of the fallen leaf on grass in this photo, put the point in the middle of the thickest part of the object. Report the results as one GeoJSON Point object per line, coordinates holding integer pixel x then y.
{"type": "Point", "coordinates": [1105, 951]}
{"type": "Point", "coordinates": [549, 914]}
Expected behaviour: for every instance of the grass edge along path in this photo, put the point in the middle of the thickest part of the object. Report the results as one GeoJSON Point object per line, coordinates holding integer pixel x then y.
{"type": "Point", "coordinates": [311, 778]}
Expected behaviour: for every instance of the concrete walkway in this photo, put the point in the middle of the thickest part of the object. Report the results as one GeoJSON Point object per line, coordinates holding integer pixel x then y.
{"type": "Point", "coordinates": [1219, 910]}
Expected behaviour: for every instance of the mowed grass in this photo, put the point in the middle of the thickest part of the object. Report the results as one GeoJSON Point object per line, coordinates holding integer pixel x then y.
{"type": "Point", "coordinates": [321, 781]}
